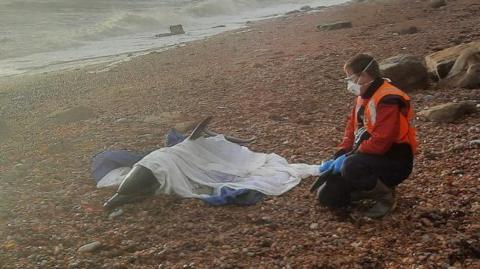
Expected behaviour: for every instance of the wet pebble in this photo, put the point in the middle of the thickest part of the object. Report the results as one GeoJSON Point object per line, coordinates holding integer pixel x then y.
{"type": "Point", "coordinates": [115, 214]}
{"type": "Point", "coordinates": [121, 120]}
{"type": "Point", "coordinates": [91, 247]}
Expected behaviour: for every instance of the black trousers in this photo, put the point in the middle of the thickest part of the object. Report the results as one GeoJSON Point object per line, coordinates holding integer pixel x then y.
{"type": "Point", "coordinates": [360, 173]}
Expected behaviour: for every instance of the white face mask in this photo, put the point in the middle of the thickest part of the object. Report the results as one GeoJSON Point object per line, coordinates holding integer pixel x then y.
{"type": "Point", "coordinates": [354, 87]}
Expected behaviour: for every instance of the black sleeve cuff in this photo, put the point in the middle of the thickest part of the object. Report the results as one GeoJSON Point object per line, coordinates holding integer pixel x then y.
{"type": "Point", "coordinates": [339, 153]}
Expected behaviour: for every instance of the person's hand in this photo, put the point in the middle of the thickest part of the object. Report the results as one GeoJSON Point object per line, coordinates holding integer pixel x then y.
{"type": "Point", "coordinates": [326, 165]}
{"type": "Point", "coordinates": [338, 163]}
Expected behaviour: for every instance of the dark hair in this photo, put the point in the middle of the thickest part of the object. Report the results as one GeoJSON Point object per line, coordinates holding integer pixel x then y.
{"type": "Point", "coordinates": [359, 62]}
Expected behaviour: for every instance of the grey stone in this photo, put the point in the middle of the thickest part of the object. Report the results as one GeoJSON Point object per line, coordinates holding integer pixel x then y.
{"type": "Point", "coordinates": [115, 214]}
{"type": "Point", "coordinates": [334, 26]}
{"type": "Point", "coordinates": [474, 143]}
{"type": "Point", "coordinates": [448, 112]}
{"type": "Point", "coordinates": [174, 30]}
{"type": "Point", "coordinates": [292, 12]}
{"type": "Point", "coordinates": [121, 120]}
{"type": "Point", "coordinates": [91, 247]}
{"type": "Point", "coordinates": [177, 29]}
{"type": "Point", "coordinates": [474, 130]}
{"type": "Point", "coordinates": [408, 30]}
{"type": "Point", "coordinates": [70, 115]}
{"type": "Point", "coordinates": [437, 3]}
{"type": "Point", "coordinates": [73, 265]}
{"type": "Point", "coordinates": [426, 238]}
{"type": "Point", "coordinates": [428, 97]}
{"type": "Point", "coordinates": [406, 71]}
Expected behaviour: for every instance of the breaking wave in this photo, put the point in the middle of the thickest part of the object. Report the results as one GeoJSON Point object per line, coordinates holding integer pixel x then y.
{"type": "Point", "coordinates": [32, 27]}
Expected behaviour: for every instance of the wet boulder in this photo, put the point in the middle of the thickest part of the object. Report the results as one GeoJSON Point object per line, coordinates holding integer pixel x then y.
{"type": "Point", "coordinates": [407, 72]}
{"type": "Point", "coordinates": [174, 30]}
{"type": "Point", "coordinates": [177, 29]}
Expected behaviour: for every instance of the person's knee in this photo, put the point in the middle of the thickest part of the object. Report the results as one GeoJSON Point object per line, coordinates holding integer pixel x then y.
{"type": "Point", "coordinates": [351, 166]}
{"type": "Point", "coordinates": [357, 173]}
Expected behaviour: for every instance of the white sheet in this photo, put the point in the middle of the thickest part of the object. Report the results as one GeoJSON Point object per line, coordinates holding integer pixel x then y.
{"type": "Point", "coordinates": [199, 168]}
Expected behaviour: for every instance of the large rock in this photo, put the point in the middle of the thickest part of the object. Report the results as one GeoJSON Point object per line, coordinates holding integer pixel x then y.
{"type": "Point", "coordinates": [439, 63]}
{"type": "Point", "coordinates": [174, 30]}
{"type": "Point", "coordinates": [465, 73]}
{"type": "Point", "coordinates": [177, 29]}
{"type": "Point", "coordinates": [334, 26]}
{"type": "Point", "coordinates": [407, 72]}
{"type": "Point", "coordinates": [71, 115]}
{"type": "Point", "coordinates": [449, 112]}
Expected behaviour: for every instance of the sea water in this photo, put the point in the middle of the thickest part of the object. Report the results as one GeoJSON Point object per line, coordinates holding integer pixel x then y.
{"type": "Point", "coordinates": [39, 35]}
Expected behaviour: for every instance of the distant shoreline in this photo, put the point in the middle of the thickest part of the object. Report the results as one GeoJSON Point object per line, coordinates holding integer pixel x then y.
{"type": "Point", "coordinates": [113, 59]}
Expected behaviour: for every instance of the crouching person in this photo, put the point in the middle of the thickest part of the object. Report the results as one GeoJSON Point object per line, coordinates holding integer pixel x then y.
{"type": "Point", "coordinates": [379, 143]}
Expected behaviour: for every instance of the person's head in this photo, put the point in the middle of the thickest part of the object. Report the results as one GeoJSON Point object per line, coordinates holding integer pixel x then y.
{"type": "Point", "coordinates": [361, 70]}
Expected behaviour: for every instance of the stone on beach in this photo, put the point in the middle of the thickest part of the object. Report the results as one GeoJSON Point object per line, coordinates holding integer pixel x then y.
{"type": "Point", "coordinates": [293, 12]}
{"type": "Point", "coordinates": [465, 72]}
{"type": "Point", "coordinates": [408, 30]}
{"type": "Point", "coordinates": [448, 112]}
{"type": "Point", "coordinates": [437, 3]}
{"type": "Point", "coordinates": [174, 30]}
{"type": "Point", "coordinates": [70, 115]}
{"type": "Point", "coordinates": [406, 71]}
{"type": "Point", "coordinates": [177, 29]}
{"type": "Point", "coordinates": [91, 247]}
{"type": "Point", "coordinates": [334, 26]}
{"type": "Point", "coordinates": [440, 63]}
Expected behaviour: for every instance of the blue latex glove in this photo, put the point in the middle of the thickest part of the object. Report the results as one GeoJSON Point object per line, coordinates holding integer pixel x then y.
{"type": "Point", "coordinates": [326, 165]}
{"type": "Point", "coordinates": [338, 163]}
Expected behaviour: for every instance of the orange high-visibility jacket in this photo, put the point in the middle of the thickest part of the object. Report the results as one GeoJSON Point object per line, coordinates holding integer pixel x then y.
{"type": "Point", "coordinates": [407, 132]}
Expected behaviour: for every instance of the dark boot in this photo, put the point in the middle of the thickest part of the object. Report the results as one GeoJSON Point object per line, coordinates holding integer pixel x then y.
{"type": "Point", "coordinates": [384, 198]}
{"type": "Point", "coordinates": [356, 196]}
